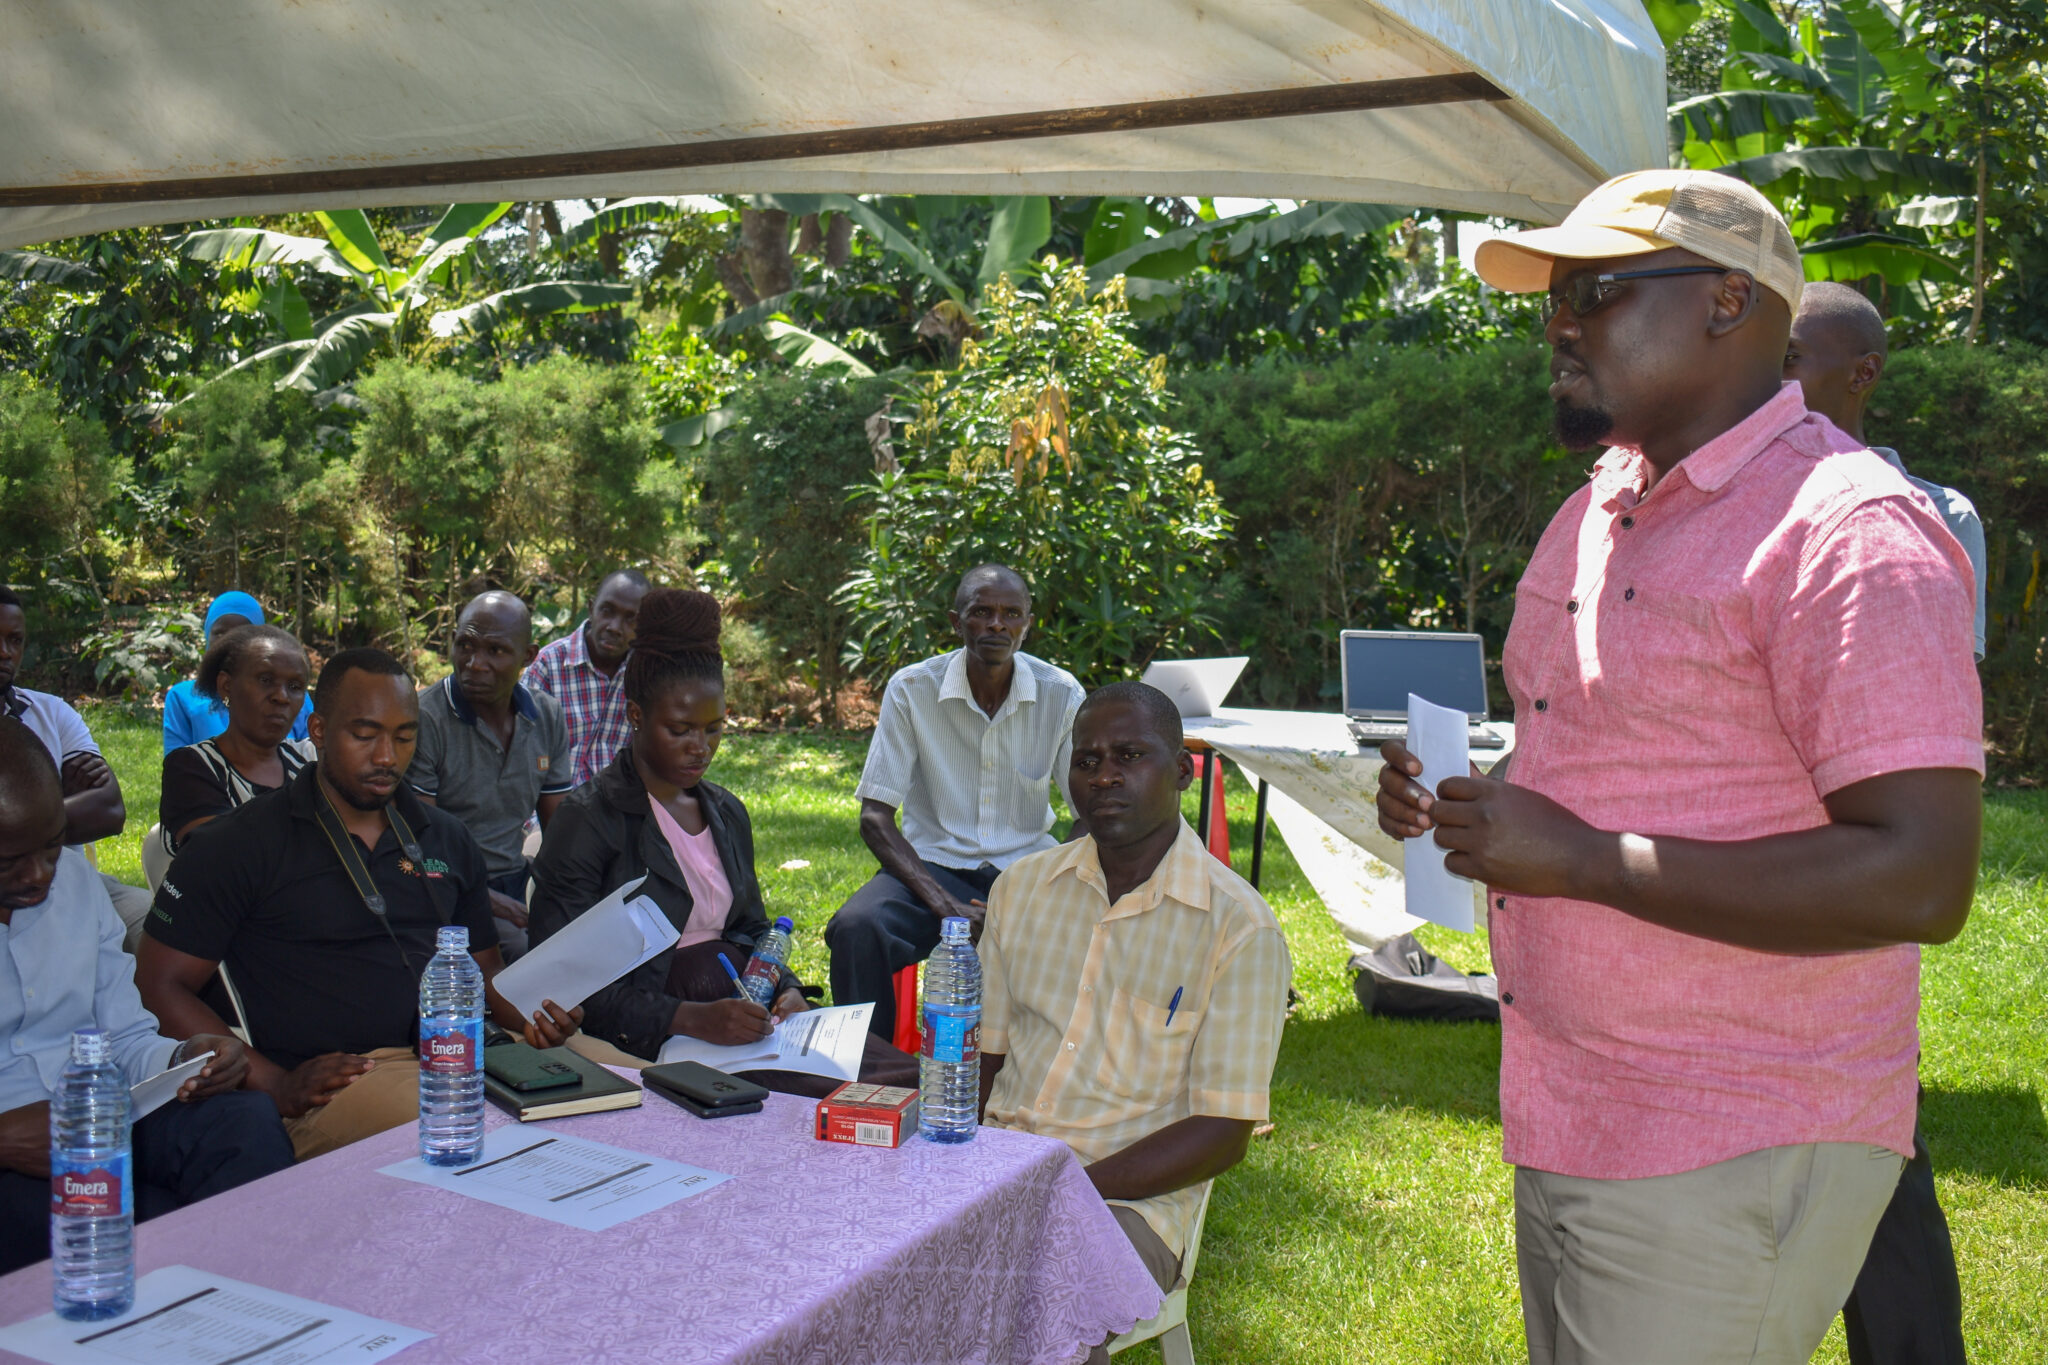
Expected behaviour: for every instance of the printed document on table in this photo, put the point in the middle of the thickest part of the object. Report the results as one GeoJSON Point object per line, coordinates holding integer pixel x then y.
{"type": "Point", "coordinates": [593, 950]}
{"type": "Point", "coordinates": [825, 1042]}
{"type": "Point", "coordinates": [147, 1096]}
{"type": "Point", "coordinates": [587, 1185]}
{"type": "Point", "coordinates": [196, 1318]}
{"type": "Point", "coordinates": [1438, 736]}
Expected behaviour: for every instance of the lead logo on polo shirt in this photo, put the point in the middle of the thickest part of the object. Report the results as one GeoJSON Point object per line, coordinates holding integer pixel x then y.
{"type": "Point", "coordinates": [80, 1189]}
{"type": "Point", "coordinates": [434, 867]}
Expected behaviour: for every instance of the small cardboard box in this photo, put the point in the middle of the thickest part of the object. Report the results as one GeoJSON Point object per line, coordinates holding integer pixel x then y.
{"type": "Point", "coordinates": [868, 1115]}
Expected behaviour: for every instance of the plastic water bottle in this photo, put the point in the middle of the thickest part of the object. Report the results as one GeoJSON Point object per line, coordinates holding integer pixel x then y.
{"type": "Point", "coordinates": [949, 1069]}
{"type": "Point", "coordinates": [92, 1205]}
{"type": "Point", "coordinates": [452, 1053]}
{"type": "Point", "coordinates": [764, 968]}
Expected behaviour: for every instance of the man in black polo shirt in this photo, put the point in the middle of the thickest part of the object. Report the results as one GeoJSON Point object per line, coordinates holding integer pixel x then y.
{"type": "Point", "coordinates": [328, 989]}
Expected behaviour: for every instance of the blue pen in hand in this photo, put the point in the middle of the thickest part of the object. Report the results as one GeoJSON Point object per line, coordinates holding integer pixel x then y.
{"type": "Point", "coordinates": [1174, 1005]}
{"type": "Point", "coordinates": [741, 991]}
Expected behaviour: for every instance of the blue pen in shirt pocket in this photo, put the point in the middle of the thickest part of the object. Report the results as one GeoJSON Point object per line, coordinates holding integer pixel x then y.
{"type": "Point", "coordinates": [1173, 1004]}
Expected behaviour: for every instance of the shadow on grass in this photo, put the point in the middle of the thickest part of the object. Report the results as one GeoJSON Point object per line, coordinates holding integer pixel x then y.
{"type": "Point", "coordinates": [1997, 1133]}
{"type": "Point", "coordinates": [1360, 1059]}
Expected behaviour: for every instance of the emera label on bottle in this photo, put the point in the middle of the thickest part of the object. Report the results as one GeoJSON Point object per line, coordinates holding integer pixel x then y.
{"type": "Point", "coordinates": [451, 1047]}
{"type": "Point", "coordinates": [952, 1037]}
{"type": "Point", "coordinates": [89, 1189]}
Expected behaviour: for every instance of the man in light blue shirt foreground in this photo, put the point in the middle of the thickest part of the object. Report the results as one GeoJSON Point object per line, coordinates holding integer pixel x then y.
{"type": "Point", "coordinates": [62, 968]}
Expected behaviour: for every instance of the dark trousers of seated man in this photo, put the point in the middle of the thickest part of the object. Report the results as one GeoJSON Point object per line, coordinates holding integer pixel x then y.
{"type": "Point", "coordinates": [696, 976]}
{"type": "Point", "coordinates": [512, 941]}
{"type": "Point", "coordinates": [181, 1154]}
{"type": "Point", "coordinates": [1160, 1263]}
{"type": "Point", "coordinates": [884, 928]}
{"type": "Point", "coordinates": [1907, 1306]}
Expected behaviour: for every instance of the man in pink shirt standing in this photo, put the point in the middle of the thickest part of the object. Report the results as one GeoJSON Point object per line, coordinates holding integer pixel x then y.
{"type": "Point", "coordinates": [1744, 790]}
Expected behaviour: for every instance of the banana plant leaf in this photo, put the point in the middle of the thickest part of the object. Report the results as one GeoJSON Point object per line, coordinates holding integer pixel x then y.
{"type": "Point", "coordinates": [461, 220]}
{"type": "Point", "coordinates": [1868, 170]}
{"type": "Point", "coordinates": [245, 247]}
{"type": "Point", "coordinates": [1911, 76]}
{"type": "Point", "coordinates": [808, 349]}
{"type": "Point", "coordinates": [1933, 210]}
{"type": "Point", "coordinates": [694, 431]}
{"type": "Point", "coordinates": [1673, 18]}
{"type": "Point", "coordinates": [733, 323]}
{"type": "Point", "coordinates": [1897, 259]}
{"type": "Point", "coordinates": [333, 355]}
{"type": "Point", "coordinates": [1021, 226]}
{"type": "Point", "coordinates": [33, 267]}
{"type": "Point", "coordinates": [350, 232]}
{"type": "Point", "coordinates": [549, 296]}
{"type": "Point", "coordinates": [1732, 114]}
{"type": "Point", "coordinates": [632, 213]}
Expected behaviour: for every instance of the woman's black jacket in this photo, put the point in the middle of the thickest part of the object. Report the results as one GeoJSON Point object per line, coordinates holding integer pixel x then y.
{"type": "Point", "coordinates": [604, 835]}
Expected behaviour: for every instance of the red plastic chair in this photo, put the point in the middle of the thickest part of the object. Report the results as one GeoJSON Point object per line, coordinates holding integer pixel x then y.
{"type": "Point", "coordinates": [1216, 801]}
{"type": "Point", "coordinates": [909, 1009]}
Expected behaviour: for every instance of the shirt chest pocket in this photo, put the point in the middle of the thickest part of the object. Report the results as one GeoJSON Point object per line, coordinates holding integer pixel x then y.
{"type": "Point", "coordinates": [1146, 1046]}
{"type": "Point", "coordinates": [1664, 652]}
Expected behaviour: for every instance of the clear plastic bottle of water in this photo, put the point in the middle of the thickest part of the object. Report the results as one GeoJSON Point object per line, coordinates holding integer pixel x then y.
{"type": "Point", "coordinates": [451, 1053]}
{"type": "Point", "coordinates": [92, 1205]}
{"type": "Point", "coordinates": [949, 1070]}
{"type": "Point", "coordinates": [764, 968]}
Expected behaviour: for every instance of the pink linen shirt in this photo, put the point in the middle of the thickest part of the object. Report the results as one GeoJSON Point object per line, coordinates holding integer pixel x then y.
{"type": "Point", "coordinates": [593, 705]}
{"type": "Point", "coordinates": [1780, 616]}
{"type": "Point", "coordinates": [710, 888]}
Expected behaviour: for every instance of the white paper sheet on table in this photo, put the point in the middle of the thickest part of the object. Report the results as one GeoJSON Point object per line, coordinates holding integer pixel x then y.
{"type": "Point", "coordinates": [196, 1318]}
{"type": "Point", "coordinates": [1440, 738]}
{"type": "Point", "coordinates": [587, 1185]}
{"type": "Point", "coordinates": [825, 1042]}
{"type": "Point", "coordinates": [145, 1097]}
{"type": "Point", "coordinates": [590, 952]}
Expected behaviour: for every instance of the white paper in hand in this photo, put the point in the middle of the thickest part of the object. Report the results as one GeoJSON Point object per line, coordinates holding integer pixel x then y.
{"type": "Point", "coordinates": [1438, 736]}
{"type": "Point", "coordinates": [820, 1042]}
{"type": "Point", "coordinates": [593, 950]}
{"type": "Point", "coordinates": [147, 1096]}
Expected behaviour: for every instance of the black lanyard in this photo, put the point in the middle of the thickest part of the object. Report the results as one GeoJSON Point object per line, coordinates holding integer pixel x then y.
{"type": "Point", "coordinates": [350, 852]}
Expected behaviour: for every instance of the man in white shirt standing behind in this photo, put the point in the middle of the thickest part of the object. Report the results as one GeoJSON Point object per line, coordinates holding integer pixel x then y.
{"type": "Point", "coordinates": [966, 747]}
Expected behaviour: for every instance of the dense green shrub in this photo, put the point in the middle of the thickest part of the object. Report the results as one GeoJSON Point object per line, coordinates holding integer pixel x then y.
{"type": "Point", "coordinates": [1392, 488]}
{"type": "Point", "coordinates": [778, 514]}
{"type": "Point", "coordinates": [57, 475]}
{"type": "Point", "coordinates": [1976, 418]}
{"type": "Point", "coordinates": [1047, 448]}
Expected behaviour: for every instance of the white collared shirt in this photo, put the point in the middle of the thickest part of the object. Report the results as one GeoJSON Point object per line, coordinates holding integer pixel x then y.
{"type": "Point", "coordinates": [972, 788]}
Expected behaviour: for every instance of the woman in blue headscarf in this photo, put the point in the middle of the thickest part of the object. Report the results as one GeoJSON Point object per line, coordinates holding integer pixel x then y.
{"type": "Point", "coordinates": [189, 717]}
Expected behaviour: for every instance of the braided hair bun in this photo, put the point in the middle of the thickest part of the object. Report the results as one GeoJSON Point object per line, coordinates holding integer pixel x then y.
{"type": "Point", "coordinates": [677, 638]}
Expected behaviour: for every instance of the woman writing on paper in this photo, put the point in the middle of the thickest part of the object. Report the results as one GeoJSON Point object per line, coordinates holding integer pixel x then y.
{"type": "Point", "coordinates": [652, 813]}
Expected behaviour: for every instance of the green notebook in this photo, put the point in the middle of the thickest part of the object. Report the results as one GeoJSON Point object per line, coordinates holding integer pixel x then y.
{"type": "Point", "coordinates": [595, 1090]}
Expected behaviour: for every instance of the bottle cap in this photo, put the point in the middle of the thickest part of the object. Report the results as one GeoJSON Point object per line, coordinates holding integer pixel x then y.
{"type": "Point", "coordinates": [89, 1044]}
{"type": "Point", "coordinates": [452, 936]}
{"type": "Point", "coordinates": [785, 923]}
{"type": "Point", "coordinates": [956, 929]}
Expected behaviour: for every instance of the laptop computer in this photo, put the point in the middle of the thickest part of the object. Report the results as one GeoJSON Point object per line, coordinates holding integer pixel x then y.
{"type": "Point", "coordinates": [1197, 686]}
{"type": "Point", "coordinates": [1381, 667]}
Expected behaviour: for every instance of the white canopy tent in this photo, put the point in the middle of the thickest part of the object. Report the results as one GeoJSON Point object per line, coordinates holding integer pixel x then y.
{"type": "Point", "coordinates": [123, 112]}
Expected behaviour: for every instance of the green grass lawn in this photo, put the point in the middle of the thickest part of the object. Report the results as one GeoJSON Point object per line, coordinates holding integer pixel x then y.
{"type": "Point", "coordinates": [1374, 1224]}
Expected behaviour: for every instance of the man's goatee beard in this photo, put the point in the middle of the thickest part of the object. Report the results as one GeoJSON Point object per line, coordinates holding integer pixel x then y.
{"type": "Point", "coordinates": [1580, 428]}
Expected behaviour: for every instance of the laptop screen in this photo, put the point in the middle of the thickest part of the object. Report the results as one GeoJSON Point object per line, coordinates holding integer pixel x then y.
{"type": "Point", "coordinates": [1381, 670]}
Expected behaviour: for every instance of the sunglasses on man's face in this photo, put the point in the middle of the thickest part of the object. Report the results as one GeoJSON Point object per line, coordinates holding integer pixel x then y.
{"type": "Point", "coordinates": [1585, 291]}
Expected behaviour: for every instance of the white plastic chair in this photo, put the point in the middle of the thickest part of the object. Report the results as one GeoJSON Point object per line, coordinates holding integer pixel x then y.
{"type": "Point", "coordinates": [1171, 1326]}
{"type": "Point", "coordinates": [156, 859]}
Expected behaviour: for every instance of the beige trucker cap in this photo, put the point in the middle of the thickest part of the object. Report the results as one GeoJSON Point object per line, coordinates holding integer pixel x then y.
{"type": "Point", "coordinates": [1705, 212]}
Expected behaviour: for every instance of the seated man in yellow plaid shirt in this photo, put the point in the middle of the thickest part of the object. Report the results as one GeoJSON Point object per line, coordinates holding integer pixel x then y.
{"type": "Point", "coordinates": [1134, 986]}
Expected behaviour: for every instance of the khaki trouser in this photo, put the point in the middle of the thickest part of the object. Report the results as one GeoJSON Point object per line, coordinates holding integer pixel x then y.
{"type": "Point", "coordinates": [1158, 1259]}
{"type": "Point", "coordinates": [385, 1096]}
{"type": "Point", "coordinates": [1744, 1262]}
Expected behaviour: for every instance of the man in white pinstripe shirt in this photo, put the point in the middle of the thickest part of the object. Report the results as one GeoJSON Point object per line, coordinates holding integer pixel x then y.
{"type": "Point", "coordinates": [967, 747]}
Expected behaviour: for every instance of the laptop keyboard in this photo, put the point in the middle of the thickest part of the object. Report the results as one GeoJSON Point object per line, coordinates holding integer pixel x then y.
{"type": "Point", "coordinates": [1370, 734]}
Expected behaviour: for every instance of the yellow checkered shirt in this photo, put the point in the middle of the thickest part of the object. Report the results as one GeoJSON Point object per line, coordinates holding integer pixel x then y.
{"type": "Point", "coordinates": [1077, 993]}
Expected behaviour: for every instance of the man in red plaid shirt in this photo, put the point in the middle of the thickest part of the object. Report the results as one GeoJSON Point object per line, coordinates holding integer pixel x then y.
{"type": "Point", "coordinates": [585, 669]}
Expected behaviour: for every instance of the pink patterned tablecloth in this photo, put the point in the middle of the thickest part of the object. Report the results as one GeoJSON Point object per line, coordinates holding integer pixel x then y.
{"type": "Point", "coordinates": [996, 1250]}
